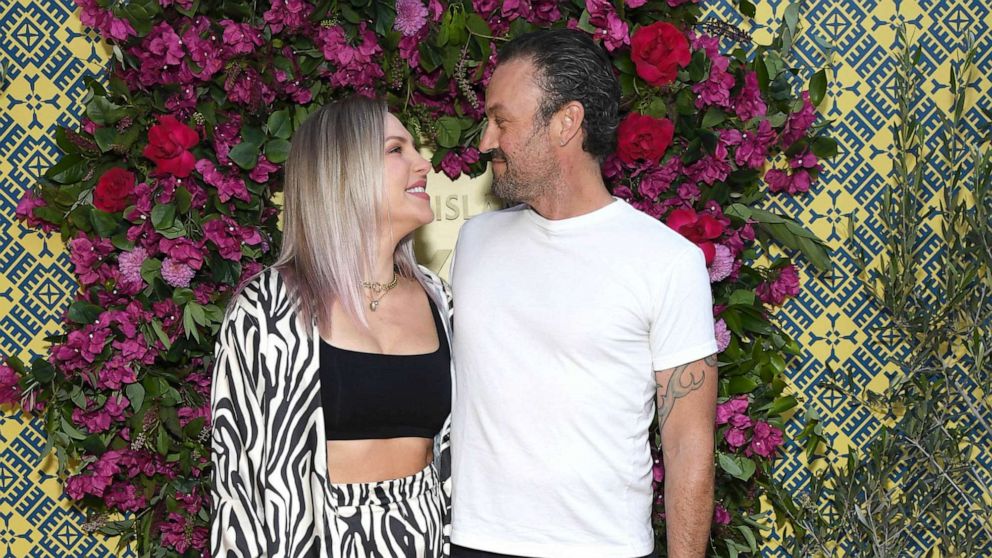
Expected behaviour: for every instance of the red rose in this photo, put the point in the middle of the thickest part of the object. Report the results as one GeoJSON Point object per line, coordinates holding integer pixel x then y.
{"type": "Point", "coordinates": [658, 51]}
{"type": "Point", "coordinates": [113, 191]}
{"type": "Point", "coordinates": [643, 137]}
{"type": "Point", "coordinates": [701, 228]}
{"type": "Point", "coordinates": [169, 142]}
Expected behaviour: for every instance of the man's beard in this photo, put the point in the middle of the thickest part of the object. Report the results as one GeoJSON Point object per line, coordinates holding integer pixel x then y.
{"type": "Point", "coordinates": [536, 181]}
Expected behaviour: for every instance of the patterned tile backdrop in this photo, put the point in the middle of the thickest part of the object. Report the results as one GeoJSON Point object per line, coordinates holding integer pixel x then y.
{"type": "Point", "coordinates": [48, 55]}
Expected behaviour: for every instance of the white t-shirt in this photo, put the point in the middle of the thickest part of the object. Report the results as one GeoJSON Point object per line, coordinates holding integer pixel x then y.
{"type": "Point", "coordinates": [559, 327]}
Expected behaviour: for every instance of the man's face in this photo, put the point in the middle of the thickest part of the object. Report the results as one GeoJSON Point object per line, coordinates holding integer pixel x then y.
{"type": "Point", "coordinates": [524, 167]}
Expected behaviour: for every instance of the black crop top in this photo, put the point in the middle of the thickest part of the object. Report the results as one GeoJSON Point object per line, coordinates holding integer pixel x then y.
{"type": "Point", "coordinates": [371, 396]}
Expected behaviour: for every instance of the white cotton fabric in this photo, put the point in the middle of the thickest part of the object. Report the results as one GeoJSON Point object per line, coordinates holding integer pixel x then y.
{"type": "Point", "coordinates": [560, 326]}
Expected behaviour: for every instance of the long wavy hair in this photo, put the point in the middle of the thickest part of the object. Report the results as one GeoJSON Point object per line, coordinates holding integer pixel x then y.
{"type": "Point", "coordinates": [333, 198]}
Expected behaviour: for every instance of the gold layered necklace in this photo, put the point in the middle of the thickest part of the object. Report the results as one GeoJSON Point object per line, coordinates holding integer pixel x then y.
{"type": "Point", "coordinates": [379, 290]}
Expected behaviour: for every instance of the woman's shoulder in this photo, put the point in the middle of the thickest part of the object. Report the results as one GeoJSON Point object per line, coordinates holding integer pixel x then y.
{"type": "Point", "coordinates": [261, 293]}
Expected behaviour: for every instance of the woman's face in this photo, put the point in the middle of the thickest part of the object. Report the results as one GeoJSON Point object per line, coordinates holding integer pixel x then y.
{"type": "Point", "coordinates": [408, 205]}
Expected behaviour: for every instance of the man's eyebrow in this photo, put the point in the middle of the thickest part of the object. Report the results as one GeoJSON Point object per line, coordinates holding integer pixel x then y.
{"type": "Point", "coordinates": [497, 107]}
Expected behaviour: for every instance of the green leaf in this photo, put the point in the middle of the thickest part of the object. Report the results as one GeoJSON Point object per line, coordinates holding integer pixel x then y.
{"type": "Point", "coordinates": [104, 223]}
{"type": "Point", "coordinates": [742, 297]}
{"type": "Point", "coordinates": [741, 384]}
{"type": "Point", "coordinates": [280, 125]}
{"type": "Point", "coordinates": [163, 215]}
{"type": "Point", "coordinates": [139, 13]}
{"type": "Point", "coordinates": [476, 25]}
{"type": "Point", "coordinates": [277, 150]}
{"type": "Point", "coordinates": [150, 269]}
{"type": "Point", "coordinates": [781, 405]}
{"type": "Point", "coordinates": [713, 117]}
{"type": "Point", "coordinates": [160, 333]}
{"type": "Point", "coordinates": [656, 108]}
{"type": "Point", "coordinates": [746, 8]}
{"type": "Point", "coordinates": [824, 147]}
{"type": "Point", "coordinates": [184, 200]}
{"type": "Point", "coordinates": [625, 65]}
{"type": "Point", "coordinates": [792, 17]}
{"type": "Point", "coordinates": [72, 431]}
{"type": "Point", "coordinates": [103, 112]}
{"type": "Point", "coordinates": [449, 131]}
{"type": "Point", "coordinates": [105, 137]}
{"type": "Point", "coordinates": [786, 231]}
{"type": "Point", "coordinates": [245, 155]}
{"type": "Point", "coordinates": [136, 395]}
{"type": "Point", "coordinates": [162, 441]}
{"type": "Point", "coordinates": [729, 465]}
{"type": "Point", "coordinates": [749, 535]}
{"type": "Point", "coordinates": [70, 169]}
{"type": "Point", "coordinates": [42, 370]}
{"type": "Point", "coordinates": [84, 312]}
{"type": "Point", "coordinates": [818, 87]}
{"type": "Point", "coordinates": [78, 397]}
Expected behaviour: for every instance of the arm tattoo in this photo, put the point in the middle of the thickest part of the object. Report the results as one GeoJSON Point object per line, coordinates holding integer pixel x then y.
{"type": "Point", "coordinates": [682, 382]}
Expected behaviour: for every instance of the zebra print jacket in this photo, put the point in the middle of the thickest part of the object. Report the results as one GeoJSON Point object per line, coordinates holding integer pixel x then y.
{"type": "Point", "coordinates": [268, 442]}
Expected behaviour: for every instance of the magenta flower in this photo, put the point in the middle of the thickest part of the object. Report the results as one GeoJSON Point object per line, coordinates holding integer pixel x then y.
{"type": "Point", "coordinates": [125, 497]}
{"type": "Point", "coordinates": [722, 334]}
{"type": "Point", "coordinates": [457, 162]}
{"type": "Point", "coordinates": [708, 170]}
{"type": "Point", "coordinates": [228, 236]}
{"type": "Point", "coordinates": [735, 437]}
{"type": "Point", "coordinates": [715, 89]}
{"type": "Point", "coordinates": [799, 122]}
{"type": "Point", "coordinates": [227, 186]}
{"type": "Point", "coordinates": [784, 285]}
{"type": "Point", "coordinates": [720, 514]}
{"type": "Point", "coordinates": [263, 168]}
{"type": "Point", "coordinates": [753, 149]}
{"type": "Point", "coordinates": [748, 103]}
{"type": "Point", "coordinates": [104, 21]}
{"type": "Point", "coordinates": [411, 16]}
{"type": "Point", "coordinates": [183, 251]}
{"type": "Point", "coordinates": [765, 441]}
{"type": "Point", "coordinates": [10, 389]}
{"type": "Point", "coordinates": [658, 470]}
{"type": "Point", "coordinates": [730, 408]}
{"type": "Point", "coordinates": [722, 265]}
{"type": "Point", "coordinates": [659, 179]}
{"type": "Point", "coordinates": [543, 12]}
{"type": "Point", "coordinates": [247, 87]}
{"type": "Point", "coordinates": [290, 15]}
{"type": "Point", "coordinates": [115, 373]}
{"type": "Point", "coordinates": [129, 264]}
{"type": "Point", "coordinates": [609, 27]}
{"type": "Point", "coordinates": [87, 254]}
{"type": "Point", "coordinates": [177, 274]}
{"type": "Point", "coordinates": [240, 38]}
{"type": "Point", "coordinates": [25, 211]}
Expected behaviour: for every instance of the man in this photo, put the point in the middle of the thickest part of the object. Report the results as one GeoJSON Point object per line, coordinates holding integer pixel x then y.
{"type": "Point", "coordinates": [575, 312]}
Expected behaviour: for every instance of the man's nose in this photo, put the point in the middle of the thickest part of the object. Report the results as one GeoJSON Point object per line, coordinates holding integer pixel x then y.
{"type": "Point", "coordinates": [488, 140]}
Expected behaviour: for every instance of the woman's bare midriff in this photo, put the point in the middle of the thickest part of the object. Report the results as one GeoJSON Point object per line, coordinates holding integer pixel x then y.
{"type": "Point", "coordinates": [360, 461]}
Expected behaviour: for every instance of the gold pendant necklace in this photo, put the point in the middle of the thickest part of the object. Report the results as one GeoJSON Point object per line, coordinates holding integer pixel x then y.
{"type": "Point", "coordinates": [379, 290]}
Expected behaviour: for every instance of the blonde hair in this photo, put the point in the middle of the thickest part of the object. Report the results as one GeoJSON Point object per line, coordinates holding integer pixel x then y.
{"type": "Point", "coordinates": [333, 198]}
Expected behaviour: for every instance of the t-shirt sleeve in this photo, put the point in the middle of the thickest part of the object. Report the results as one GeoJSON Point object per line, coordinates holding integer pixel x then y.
{"type": "Point", "coordinates": [682, 319]}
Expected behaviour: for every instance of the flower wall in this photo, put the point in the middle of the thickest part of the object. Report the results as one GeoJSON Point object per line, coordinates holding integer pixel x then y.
{"type": "Point", "coordinates": [164, 198]}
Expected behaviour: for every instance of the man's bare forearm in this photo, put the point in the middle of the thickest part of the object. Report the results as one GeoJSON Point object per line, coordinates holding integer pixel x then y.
{"type": "Point", "coordinates": [686, 409]}
{"type": "Point", "coordinates": [689, 500]}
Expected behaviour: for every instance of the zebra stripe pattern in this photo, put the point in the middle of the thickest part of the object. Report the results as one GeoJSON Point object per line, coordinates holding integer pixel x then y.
{"type": "Point", "coordinates": [388, 519]}
{"type": "Point", "coordinates": [270, 488]}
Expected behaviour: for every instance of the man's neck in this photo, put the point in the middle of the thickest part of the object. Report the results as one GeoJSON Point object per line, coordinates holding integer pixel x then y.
{"type": "Point", "coordinates": [572, 197]}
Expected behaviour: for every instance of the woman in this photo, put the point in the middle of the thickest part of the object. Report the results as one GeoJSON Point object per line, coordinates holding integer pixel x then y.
{"type": "Point", "coordinates": [332, 383]}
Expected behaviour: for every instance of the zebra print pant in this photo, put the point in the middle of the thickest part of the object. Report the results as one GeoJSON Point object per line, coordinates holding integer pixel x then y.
{"type": "Point", "coordinates": [400, 518]}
